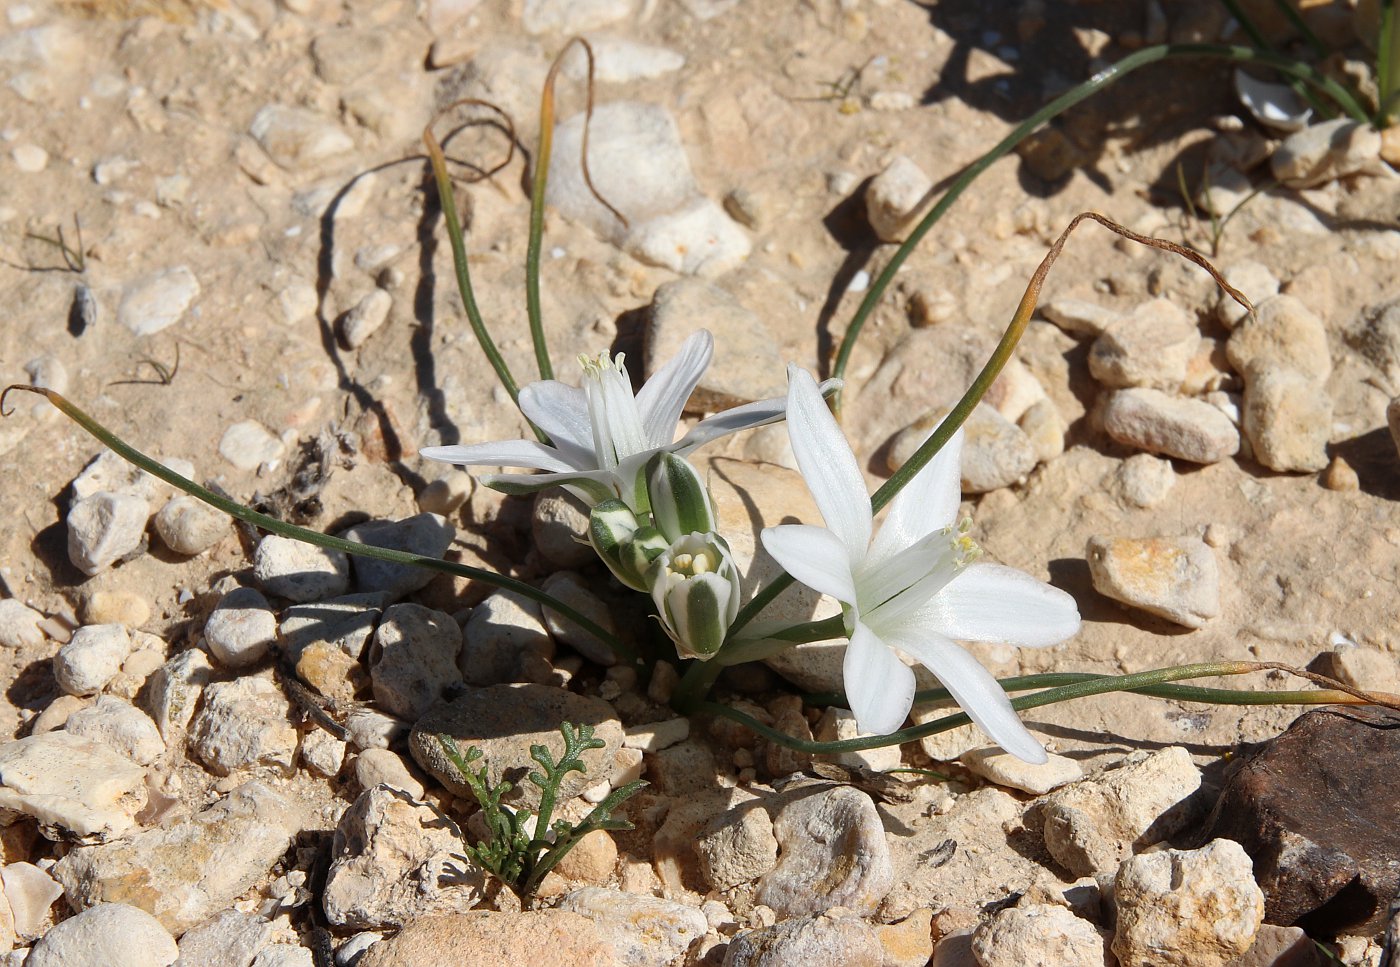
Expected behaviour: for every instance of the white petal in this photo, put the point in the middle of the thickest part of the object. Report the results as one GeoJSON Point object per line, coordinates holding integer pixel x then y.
{"type": "Point", "coordinates": [665, 394]}
{"type": "Point", "coordinates": [561, 411]}
{"type": "Point", "coordinates": [971, 686]}
{"type": "Point", "coordinates": [827, 464]}
{"type": "Point", "coordinates": [814, 556]}
{"type": "Point", "coordinates": [502, 453]}
{"type": "Point", "coordinates": [927, 503]}
{"type": "Point", "coordinates": [990, 602]}
{"type": "Point", "coordinates": [879, 687]}
{"type": "Point", "coordinates": [743, 417]}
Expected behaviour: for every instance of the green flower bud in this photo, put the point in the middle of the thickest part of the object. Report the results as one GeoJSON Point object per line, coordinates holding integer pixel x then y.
{"type": "Point", "coordinates": [625, 546]}
{"type": "Point", "coordinates": [680, 503]}
{"type": "Point", "coordinates": [695, 586]}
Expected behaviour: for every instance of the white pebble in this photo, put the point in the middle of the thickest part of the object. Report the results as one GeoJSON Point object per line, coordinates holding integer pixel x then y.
{"type": "Point", "coordinates": [189, 526]}
{"type": "Point", "coordinates": [241, 628]}
{"type": "Point", "coordinates": [111, 934]}
{"type": "Point", "coordinates": [19, 625]}
{"type": "Point", "coordinates": [30, 158]}
{"type": "Point", "coordinates": [91, 659]}
{"type": "Point", "coordinates": [248, 444]}
{"type": "Point", "coordinates": [104, 528]}
{"type": "Point", "coordinates": [300, 572]}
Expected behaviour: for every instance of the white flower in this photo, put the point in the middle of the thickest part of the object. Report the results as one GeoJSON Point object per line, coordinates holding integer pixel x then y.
{"type": "Point", "coordinates": [913, 588]}
{"type": "Point", "coordinates": [695, 587]}
{"type": "Point", "coordinates": [600, 434]}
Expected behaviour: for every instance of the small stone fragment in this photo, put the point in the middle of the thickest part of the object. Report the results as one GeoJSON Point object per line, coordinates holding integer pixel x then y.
{"type": "Point", "coordinates": [1254, 280]}
{"type": "Point", "coordinates": [894, 198]}
{"type": "Point", "coordinates": [823, 940]}
{"type": "Point", "coordinates": [120, 725]}
{"type": "Point", "coordinates": [1098, 822]}
{"type": "Point", "coordinates": [241, 629]}
{"type": "Point", "coordinates": [642, 930]}
{"type": "Point", "coordinates": [345, 622]}
{"type": "Point", "coordinates": [426, 535]}
{"type": "Point", "coordinates": [298, 139]}
{"type": "Point", "coordinates": [1150, 347]}
{"type": "Point", "coordinates": [1187, 908]}
{"type": "Point", "coordinates": [592, 860]}
{"type": "Point", "coordinates": [248, 445]}
{"type": "Point", "coordinates": [189, 526]}
{"type": "Point", "coordinates": [1045, 428]}
{"type": "Point", "coordinates": [112, 934]}
{"type": "Point", "coordinates": [105, 528]}
{"type": "Point", "coordinates": [833, 853]}
{"type": "Point", "coordinates": [446, 495]}
{"type": "Point", "coordinates": [126, 608]}
{"type": "Point", "coordinates": [365, 318]}
{"type": "Point", "coordinates": [696, 239]}
{"type": "Point", "coordinates": [244, 723]}
{"type": "Point", "coordinates": [1341, 476]}
{"type": "Point", "coordinates": [747, 363]}
{"type": "Point", "coordinates": [323, 753]}
{"type": "Point", "coordinates": [300, 572]}
{"type": "Point", "coordinates": [1188, 429]}
{"type": "Point", "coordinates": [1079, 317]}
{"type": "Point", "coordinates": [30, 158]}
{"type": "Point", "coordinates": [19, 625]}
{"type": "Point", "coordinates": [560, 527]}
{"type": "Point", "coordinates": [392, 861]}
{"type": "Point", "coordinates": [74, 783]}
{"type": "Point", "coordinates": [1175, 578]}
{"type": "Point", "coordinates": [505, 640]}
{"type": "Point", "coordinates": [840, 723]}
{"type": "Point", "coordinates": [569, 589]}
{"type": "Point", "coordinates": [737, 846]}
{"type": "Point", "coordinates": [1326, 152]}
{"type": "Point", "coordinates": [1004, 769]}
{"type": "Point", "coordinates": [1144, 480]}
{"type": "Point", "coordinates": [173, 692]}
{"type": "Point", "coordinates": [1038, 935]}
{"type": "Point", "coordinates": [157, 301]}
{"type": "Point", "coordinates": [225, 940]}
{"type": "Point", "coordinates": [504, 721]}
{"type": "Point", "coordinates": [91, 658]}
{"type": "Point", "coordinates": [996, 453]}
{"type": "Point", "coordinates": [1288, 419]}
{"type": "Point", "coordinates": [30, 892]}
{"type": "Point", "coordinates": [1282, 333]}
{"type": "Point", "coordinates": [414, 659]}
{"type": "Point", "coordinates": [571, 16]}
{"type": "Point", "coordinates": [190, 869]}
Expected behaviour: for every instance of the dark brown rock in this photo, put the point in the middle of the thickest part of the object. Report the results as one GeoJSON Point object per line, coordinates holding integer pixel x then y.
{"type": "Point", "coordinates": [1312, 809]}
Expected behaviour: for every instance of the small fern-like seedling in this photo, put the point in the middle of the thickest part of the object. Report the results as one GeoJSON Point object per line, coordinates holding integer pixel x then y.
{"type": "Point", "coordinates": [515, 851]}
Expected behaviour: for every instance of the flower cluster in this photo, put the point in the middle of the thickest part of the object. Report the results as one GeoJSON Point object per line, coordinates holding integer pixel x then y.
{"type": "Point", "coordinates": [913, 589]}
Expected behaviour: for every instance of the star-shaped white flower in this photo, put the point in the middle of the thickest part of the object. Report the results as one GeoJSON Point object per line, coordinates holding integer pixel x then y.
{"type": "Point", "coordinates": [600, 434]}
{"type": "Point", "coordinates": [914, 588]}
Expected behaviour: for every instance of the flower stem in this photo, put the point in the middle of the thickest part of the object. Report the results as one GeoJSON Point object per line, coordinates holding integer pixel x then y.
{"type": "Point", "coordinates": [271, 524]}
{"type": "Point", "coordinates": [1095, 685]}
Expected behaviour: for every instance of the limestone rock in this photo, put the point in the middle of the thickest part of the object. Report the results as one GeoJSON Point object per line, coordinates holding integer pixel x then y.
{"type": "Point", "coordinates": [393, 861]}
{"type": "Point", "coordinates": [105, 528]}
{"type": "Point", "coordinates": [185, 872]}
{"type": "Point", "coordinates": [697, 239]}
{"type": "Point", "coordinates": [19, 625]}
{"type": "Point", "coordinates": [1325, 152]}
{"type": "Point", "coordinates": [1283, 333]}
{"type": "Point", "coordinates": [76, 784]}
{"type": "Point", "coordinates": [737, 846]}
{"type": "Point", "coordinates": [29, 893]}
{"type": "Point", "coordinates": [1253, 279]}
{"type": "Point", "coordinates": [241, 629]}
{"type": "Point", "coordinates": [1099, 821]}
{"type": "Point", "coordinates": [1144, 480]}
{"type": "Point", "coordinates": [503, 721]}
{"type": "Point", "coordinates": [894, 198]}
{"type": "Point", "coordinates": [814, 941]}
{"type": "Point", "coordinates": [832, 853]}
{"type": "Point", "coordinates": [1150, 347]}
{"type": "Point", "coordinates": [426, 535]}
{"type": "Point", "coordinates": [243, 724]}
{"type": "Point", "coordinates": [1187, 908]}
{"type": "Point", "coordinates": [120, 725]}
{"type": "Point", "coordinates": [505, 640]}
{"type": "Point", "coordinates": [298, 139]}
{"type": "Point", "coordinates": [157, 301]}
{"type": "Point", "coordinates": [747, 364]}
{"type": "Point", "coordinates": [110, 934]}
{"type": "Point", "coordinates": [1189, 429]}
{"type": "Point", "coordinates": [187, 525]}
{"type": "Point", "coordinates": [1038, 935]}
{"type": "Point", "coordinates": [299, 572]}
{"type": "Point", "coordinates": [996, 452]}
{"type": "Point", "coordinates": [553, 938]}
{"type": "Point", "coordinates": [346, 623]}
{"type": "Point", "coordinates": [642, 930]}
{"type": "Point", "coordinates": [173, 692]}
{"type": "Point", "coordinates": [1175, 578]}
{"type": "Point", "coordinates": [413, 662]}
{"type": "Point", "coordinates": [91, 658]}
{"type": "Point", "coordinates": [1004, 769]}
{"type": "Point", "coordinates": [560, 528]}
{"type": "Point", "coordinates": [1288, 419]}
{"type": "Point", "coordinates": [569, 588]}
